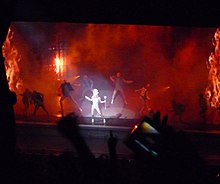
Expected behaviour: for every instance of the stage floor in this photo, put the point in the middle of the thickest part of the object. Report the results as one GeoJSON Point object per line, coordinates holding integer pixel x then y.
{"type": "Point", "coordinates": [120, 120]}
{"type": "Point", "coordinates": [116, 120]}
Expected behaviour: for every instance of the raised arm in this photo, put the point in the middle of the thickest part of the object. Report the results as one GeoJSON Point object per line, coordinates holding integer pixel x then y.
{"type": "Point", "coordinates": [112, 78]}
{"type": "Point", "coordinates": [68, 126]}
{"type": "Point", "coordinates": [76, 84]}
{"type": "Point", "coordinates": [42, 96]}
{"type": "Point", "coordinates": [88, 98]}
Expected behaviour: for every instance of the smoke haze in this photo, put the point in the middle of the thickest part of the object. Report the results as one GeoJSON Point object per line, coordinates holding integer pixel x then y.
{"type": "Point", "coordinates": [171, 59]}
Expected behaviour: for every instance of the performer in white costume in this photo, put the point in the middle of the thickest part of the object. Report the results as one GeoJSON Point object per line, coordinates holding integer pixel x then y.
{"type": "Point", "coordinates": [96, 99]}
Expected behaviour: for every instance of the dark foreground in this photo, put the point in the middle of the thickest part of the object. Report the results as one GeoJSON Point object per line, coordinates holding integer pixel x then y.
{"type": "Point", "coordinates": [185, 157]}
{"type": "Point", "coordinates": [67, 168]}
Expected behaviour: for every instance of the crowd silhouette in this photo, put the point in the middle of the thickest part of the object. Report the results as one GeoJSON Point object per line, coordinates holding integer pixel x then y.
{"type": "Point", "coordinates": [174, 159]}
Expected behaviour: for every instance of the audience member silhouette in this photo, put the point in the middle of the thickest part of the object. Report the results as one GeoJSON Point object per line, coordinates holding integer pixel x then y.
{"type": "Point", "coordinates": [112, 143]}
{"type": "Point", "coordinates": [68, 126]}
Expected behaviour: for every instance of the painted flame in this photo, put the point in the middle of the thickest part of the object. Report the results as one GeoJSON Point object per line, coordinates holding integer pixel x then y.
{"type": "Point", "coordinates": [12, 59]}
{"type": "Point", "coordinates": [212, 91]}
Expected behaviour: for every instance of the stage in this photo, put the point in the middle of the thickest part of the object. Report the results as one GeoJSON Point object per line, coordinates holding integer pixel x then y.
{"type": "Point", "coordinates": [42, 137]}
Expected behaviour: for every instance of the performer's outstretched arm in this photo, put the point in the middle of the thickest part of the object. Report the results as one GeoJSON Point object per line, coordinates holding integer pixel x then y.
{"type": "Point", "coordinates": [137, 90]}
{"type": "Point", "coordinates": [88, 98]}
{"type": "Point", "coordinates": [112, 78]}
{"type": "Point", "coordinates": [102, 101]}
{"type": "Point", "coordinates": [128, 81]}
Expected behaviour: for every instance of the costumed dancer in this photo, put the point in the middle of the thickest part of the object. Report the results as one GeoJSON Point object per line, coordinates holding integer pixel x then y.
{"type": "Point", "coordinates": [66, 90]}
{"type": "Point", "coordinates": [203, 107]}
{"type": "Point", "coordinates": [26, 98]}
{"type": "Point", "coordinates": [118, 81]}
{"type": "Point", "coordinates": [38, 99]}
{"type": "Point", "coordinates": [178, 110]}
{"type": "Point", "coordinates": [87, 84]}
{"type": "Point", "coordinates": [144, 96]}
{"type": "Point", "coordinates": [96, 99]}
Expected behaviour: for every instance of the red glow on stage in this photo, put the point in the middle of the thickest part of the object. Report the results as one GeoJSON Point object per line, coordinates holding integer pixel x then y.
{"type": "Point", "coordinates": [59, 66]}
{"type": "Point", "coordinates": [170, 59]}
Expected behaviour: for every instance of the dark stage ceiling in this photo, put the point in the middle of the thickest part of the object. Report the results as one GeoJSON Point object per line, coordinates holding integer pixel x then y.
{"type": "Point", "coordinates": [151, 12]}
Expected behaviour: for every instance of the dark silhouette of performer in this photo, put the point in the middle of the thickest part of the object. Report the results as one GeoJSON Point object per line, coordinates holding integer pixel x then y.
{"type": "Point", "coordinates": [66, 90]}
{"type": "Point", "coordinates": [118, 81]}
{"type": "Point", "coordinates": [26, 98]}
{"type": "Point", "coordinates": [203, 107]}
{"type": "Point", "coordinates": [144, 96]}
{"type": "Point", "coordinates": [38, 99]}
{"type": "Point", "coordinates": [87, 84]}
{"type": "Point", "coordinates": [178, 109]}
